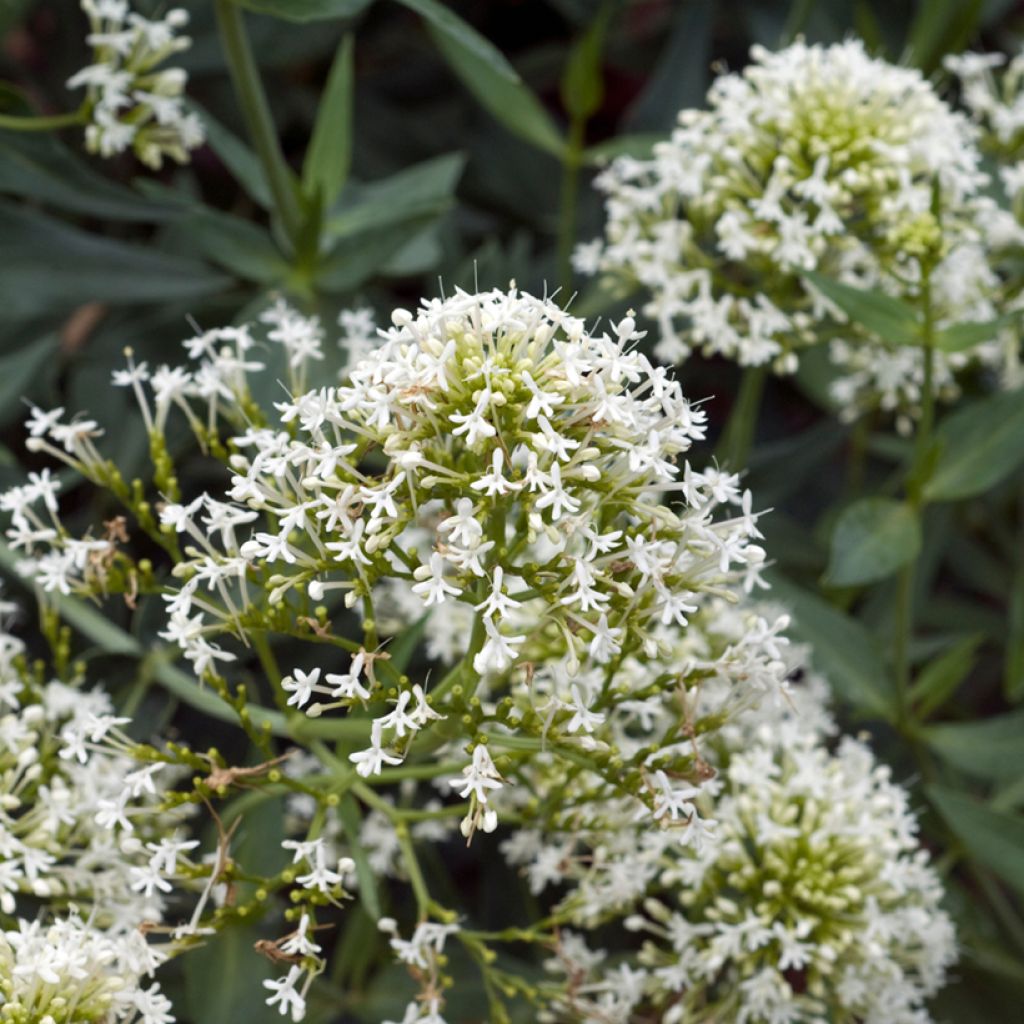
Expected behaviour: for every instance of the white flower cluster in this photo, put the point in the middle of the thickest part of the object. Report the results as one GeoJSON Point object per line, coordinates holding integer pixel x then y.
{"type": "Point", "coordinates": [81, 830]}
{"type": "Point", "coordinates": [131, 102]}
{"type": "Point", "coordinates": [69, 972]}
{"type": "Point", "coordinates": [806, 899]}
{"type": "Point", "coordinates": [812, 159]}
{"type": "Point", "coordinates": [534, 456]}
{"type": "Point", "coordinates": [421, 954]}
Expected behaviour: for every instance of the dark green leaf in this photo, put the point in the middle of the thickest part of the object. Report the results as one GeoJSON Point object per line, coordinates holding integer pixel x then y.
{"type": "Point", "coordinates": [40, 167]}
{"type": "Point", "coordinates": [939, 27]}
{"type": "Point", "coordinates": [507, 99]}
{"type": "Point", "coordinates": [237, 245]}
{"type": "Point", "coordinates": [306, 10]}
{"type": "Point", "coordinates": [639, 146]}
{"type": "Point", "coordinates": [993, 839]}
{"type": "Point", "coordinates": [49, 265]}
{"type": "Point", "coordinates": [979, 445]}
{"type": "Point", "coordinates": [872, 538]}
{"type": "Point", "coordinates": [404, 645]}
{"type": "Point", "coordinates": [351, 820]}
{"type": "Point", "coordinates": [884, 315]}
{"type": "Point", "coordinates": [238, 158]}
{"type": "Point", "coordinates": [445, 24]}
{"type": "Point", "coordinates": [223, 981]}
{"type": "Point", "coordinates": [961, 337]}
{"type": "Point", "coordinates": [992, 748]}
{"type": "Point", "coordinates": [356, 258]}
{"type": "Point", "coordinates": [19, 371]}
{"type": "Point", "coordinates": [1013, 674]}
{"type": "Point", "coordinates": [423, 190]}
{"type": "Point", "coordinates": [940, 677]}
{"type": "Point", "coordinates": [583, 83]}
{"type": "Point", "coordinates": [841, 649]}
{"type": "Point", "coordinates": [330, 149]}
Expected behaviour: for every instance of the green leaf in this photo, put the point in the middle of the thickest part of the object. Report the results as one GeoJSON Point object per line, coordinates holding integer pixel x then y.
{"type": "Point", "coordinates": [356, 258]}
{"type": "Point", "coordinates": [842, 649]}
{"type": "Point", "coordinates": [39, 167]}
{"type": "Point", "coordinates": [979, 445]}
{"type": "Point", "coordinates": [992, 748]}
{"type": "Point", "coordinates": [237, 157]}
{"type": "Point", "coordinates": [351, 820]}
{"type": "Point", "coordinates": [872, 538]}
{"type": "Point", "coordinates": [582, 82]}
{"type": "Point", "coordinates": [404, 645]}
{"type": "Point", "coordinates": [306, 10]}
{"type": "Point", "coordinates": [329, 156]}
{"type": "Point", "coordinates": [445, 24]}
{"type": "Point", "coordinates": [505, 97]}
{"type": "Point", "coordinates": [993, 839]}
{"type": "Point", "coordinates": [943, 674]}
{"type": "Point", "coordinates": [421, 191]}
{"type": "Point", "coordinates": [941, 26]}
{"type": "Point", "coordinates": [639, 146]}
{"type": "Point", "coordinates": [961, 337]}
{"type": "Point", "coordinates": [223, 980]}
{"type": "Point", "coordinates": [237, 245]}
{"type": "Point", "coordinates": [1013, 666]}
{"type": "Point", "coordinates": [49, 265]}
{"type": "Point", "coordinates": [884, 315]}
{"type": "Point", "coordinates": [21, 369]}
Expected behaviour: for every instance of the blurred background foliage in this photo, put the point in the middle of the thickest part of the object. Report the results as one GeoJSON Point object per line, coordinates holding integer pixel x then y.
{"type": "Point", "coordinates": [470, 165]}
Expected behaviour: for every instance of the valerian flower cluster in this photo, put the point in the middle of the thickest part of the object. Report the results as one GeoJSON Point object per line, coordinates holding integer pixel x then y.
{"type": "Point", "coordinates": [812, 159]}
{"type": "Point", "coordinates": [131, 102]}
{"type": "Point", "coordinates": [514, 492]}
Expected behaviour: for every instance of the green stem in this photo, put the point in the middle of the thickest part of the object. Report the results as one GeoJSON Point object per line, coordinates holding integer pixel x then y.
{"type": "Point", "coordinates": [50, 123]}
{"type": "Point", "coordinates": [738, 437]}
{"type": "Point", "coordinates": [270, 668]}
{"type": "Point", "coordinates": [256, 111]}
{"type": "Point", "coordinates": [568, 203]}
{"type": "Point", "coordinates": [904, 617]}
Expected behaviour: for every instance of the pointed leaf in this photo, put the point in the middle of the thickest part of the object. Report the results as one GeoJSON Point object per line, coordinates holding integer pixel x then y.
{"type": "Point", "coordinates": [842, 649]}
{"type": "Point", "coordinates": [330, 150]}
{"type": "Point", "coordinates": [992, 748]}
{"type": "Point", "coordinates": [961, 337]}
{"type": "Point", "coordinates": [993, 839]}
{"type": "Point", "coordinates": [238, 158]}
{"type": "Point", "coordinates": [979, 445]}
{"type": "Point", "coordinates": [504, 96]}
{"type": "Point", "coordinates": [237, 245]}
{"type": "Point", "coordinates": [306, 10]}
{"type": "Point", "coordinates": [582, 83]}
{"type": "Point", "coordinates": [872, 538]}
{"type": "Point", "coordinates": [888, 317]}
{"type": "Point", "coordinates": [940, 677]}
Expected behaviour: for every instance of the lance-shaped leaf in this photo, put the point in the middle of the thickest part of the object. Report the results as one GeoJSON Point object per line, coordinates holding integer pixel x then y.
{"type": "Point", "coordinates": [888, 317]}
{"type": "Point", "coordinates": [329, 156]}
{"type": "Point", "coordinates": [872, 538]}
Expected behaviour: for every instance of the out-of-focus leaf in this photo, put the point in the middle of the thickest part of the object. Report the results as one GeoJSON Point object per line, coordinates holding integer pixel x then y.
{"type": "Point", "coordinates": [582, 83]}
{"type": "Point", "coordinates": [992, 748]}
{"type": "Point", "coordinates": [639, 146]}
{"type": "Point", "coordinates": [1013, 667]}
{"type": "Point", "coordinates": [356, 258]}
{"type": "Point", "coordinates": [404, 645]}
{"type": "Point", "coordinates": [421, 253]}
{"type": "Point", "coordinates": [682, 72]}
{"type": "Point", "coordinates": [841, 649]}
{"type": "Point", "coordinates": [888, 317]}
{"type": "Point", "coordinates": [506, 98]}
{"type": "Point", "coordinates": [238, 158]}
{"type": "Point", "coordinates": [872, 538]}
{"type": "Point", "coordinates": [306, 10]}
{"type": "Point", "coordinates": [444, 23]}
{"type": "Point", "coordinates": [330, 149]}
{"type": "Point", "coordinates": [943, 674]}
{"type": "Point", "coordinates": [224, 980]}
{"type": "Point", "coordinates": [993, 839]}
{"type": "Point", "coordinates": [961, 337]}
{"type": "Point", "coordinates": [348, 811]}
{"type": "Point", "coordinates": [39, 167]}
{"type": "Point", "coordinates": [939, 27]}
{"type": "Point", "coordinates": [49, 265]}
{"type": "Point", "coordinates": [979, 445]}
{"type": "Point", "coordinates": [237, 245]}
{"type": "Point", "coordinates": [423, 190]}
{"type": "Point", "coordinates": [19, 370]}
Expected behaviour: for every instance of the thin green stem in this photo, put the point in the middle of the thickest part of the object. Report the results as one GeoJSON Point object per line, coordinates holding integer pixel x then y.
{"type": "Point", "coordinates": [256, 111]}
{"type": "Point", "coordinates": [569, 202]}
{"type": "Point", "coordinates": [49, 123]}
